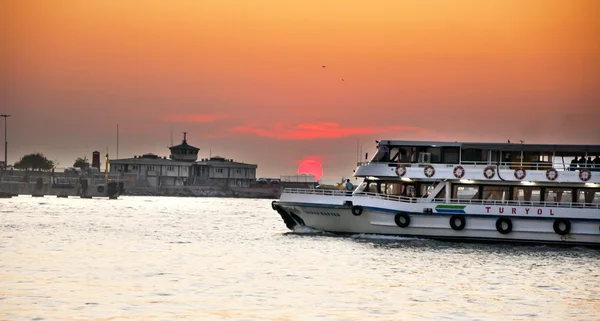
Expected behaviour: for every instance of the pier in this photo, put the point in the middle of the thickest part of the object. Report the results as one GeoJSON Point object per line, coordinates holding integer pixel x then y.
{"type": "Point", "coordinates": [59, 184]}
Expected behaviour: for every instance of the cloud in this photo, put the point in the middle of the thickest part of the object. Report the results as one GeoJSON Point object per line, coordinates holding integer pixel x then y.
{"type": "Point", "coordinates": [194, 118]}
{"type": "Point", "coordinates": [323, 130]}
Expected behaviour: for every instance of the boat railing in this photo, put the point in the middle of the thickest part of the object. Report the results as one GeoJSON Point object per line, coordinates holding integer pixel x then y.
{"type": "Point", "coordinates": [501, 165]}
{"type": "Point", "coordinates": [406, 199]}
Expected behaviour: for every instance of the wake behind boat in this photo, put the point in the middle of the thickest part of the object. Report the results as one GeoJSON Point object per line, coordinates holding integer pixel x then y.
{"type": "Point", "coordinates": [526, 193]}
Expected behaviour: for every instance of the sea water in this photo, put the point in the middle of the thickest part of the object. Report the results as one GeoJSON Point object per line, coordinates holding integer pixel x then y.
{"type": "Point", "coordinates": [153, 258]}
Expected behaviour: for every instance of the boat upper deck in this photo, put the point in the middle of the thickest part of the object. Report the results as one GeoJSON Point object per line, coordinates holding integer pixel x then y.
{"type": "Point", "coordinates": [487, 161]}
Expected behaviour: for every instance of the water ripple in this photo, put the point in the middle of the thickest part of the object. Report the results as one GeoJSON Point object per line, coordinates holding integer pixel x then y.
{"type": "Point", "coordinates": [152, 258]}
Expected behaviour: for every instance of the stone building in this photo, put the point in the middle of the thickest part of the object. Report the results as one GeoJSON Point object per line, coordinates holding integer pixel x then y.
{"type": "Point", "coordinates": [182, 168]}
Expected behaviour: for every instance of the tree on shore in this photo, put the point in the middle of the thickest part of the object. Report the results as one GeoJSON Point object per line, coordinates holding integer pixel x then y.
{"type": "Point", "coordinates": [82, 163]}
{"type": "Point", "coordinates": [35, 161]}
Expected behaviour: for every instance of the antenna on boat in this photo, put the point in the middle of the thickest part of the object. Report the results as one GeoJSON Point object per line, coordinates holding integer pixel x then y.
{"type": "Point", "coordinates": [117, 141]}
{"type": "Point", "coordinates": [357, 153]}
{"type": "Point", "coordinates": [171, 135]}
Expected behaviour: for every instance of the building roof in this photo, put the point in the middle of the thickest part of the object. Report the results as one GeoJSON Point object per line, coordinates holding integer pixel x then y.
{"type": "Point", "coordinates": [184, 145]}
{"type": "Point", "coordinates": [508, 147]}
{"type": "Point", "coordinates": [219, 161]}
{"type": "Point", "coordinates": [148, 161]}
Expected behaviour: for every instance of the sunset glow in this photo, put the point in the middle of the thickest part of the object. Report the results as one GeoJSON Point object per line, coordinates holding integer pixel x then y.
{"type": "Point", "coordinates": [245, 78]}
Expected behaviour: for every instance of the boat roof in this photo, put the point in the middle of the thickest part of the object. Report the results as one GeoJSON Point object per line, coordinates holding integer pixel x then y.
{"type": "Point", "coordinates": [508, 147]}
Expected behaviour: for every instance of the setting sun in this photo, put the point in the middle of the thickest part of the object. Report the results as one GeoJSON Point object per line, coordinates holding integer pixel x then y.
{"type": "Point", "coordinates": [311, 166]}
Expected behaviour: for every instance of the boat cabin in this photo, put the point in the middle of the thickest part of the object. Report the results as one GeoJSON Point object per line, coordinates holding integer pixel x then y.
{"type": "Point", "coordinates": [506, 155]}
{"type": "Point", "coordinates": [507, 162]}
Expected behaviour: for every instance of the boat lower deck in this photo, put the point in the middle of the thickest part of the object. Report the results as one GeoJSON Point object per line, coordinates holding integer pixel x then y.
{"type": "Point", "coordinates": [451, 226]}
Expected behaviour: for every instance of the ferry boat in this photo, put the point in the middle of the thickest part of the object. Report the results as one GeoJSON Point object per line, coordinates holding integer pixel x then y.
{"type": "Point", "coordinates": [490, 192]}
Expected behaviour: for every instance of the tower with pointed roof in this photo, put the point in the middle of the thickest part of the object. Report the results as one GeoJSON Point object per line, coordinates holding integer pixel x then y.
{"type": "Point", "coordinates": [184, 152]}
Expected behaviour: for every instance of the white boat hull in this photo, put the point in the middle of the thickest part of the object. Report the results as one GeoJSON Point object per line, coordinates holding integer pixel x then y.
{"type": "Point", "coordinates": [377, 217]}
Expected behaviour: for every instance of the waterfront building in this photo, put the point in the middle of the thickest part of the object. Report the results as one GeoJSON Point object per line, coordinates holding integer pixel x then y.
{"type": "Point", "coordinates": [182, 168]}
{"type": "Point", "coordinates": [223, 172]}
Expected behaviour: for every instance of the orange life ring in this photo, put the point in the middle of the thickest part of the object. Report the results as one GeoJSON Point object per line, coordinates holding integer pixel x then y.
{"type": "Point", "coordinates": [429, 171]}
{"type": "Point", "coordinates": [459, 171]}
{"type": "Point", "coordinates": [489, 172]}
{"type": "Point", "coordinates": [400, 170]}
{"type": "Point", "coordinates": [551, 174]}
{"type": "Point", "coordinates": [520, 173]}
{"type": "Point", "coordinates": [585, 175]}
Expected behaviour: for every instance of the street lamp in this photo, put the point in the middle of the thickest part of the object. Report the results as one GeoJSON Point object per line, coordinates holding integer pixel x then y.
{"type": "Point", "coordinates": [5, 143]}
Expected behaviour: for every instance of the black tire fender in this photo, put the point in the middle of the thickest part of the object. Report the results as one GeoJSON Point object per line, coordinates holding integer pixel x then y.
{"type": "Point", "coordinates": [357, 210]}
{"type": "Point", "coordinates": [462, 222]}
{"type": "Point", "coordinates": [557, 228]}
{"type": "Point", "coordinates": [500, 226]}
{"type": "Point", "coordinates": [402, 220]}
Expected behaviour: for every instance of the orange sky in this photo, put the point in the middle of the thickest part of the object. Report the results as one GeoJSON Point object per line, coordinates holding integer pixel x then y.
{"type": "Point", "coordinates": [245, 78]}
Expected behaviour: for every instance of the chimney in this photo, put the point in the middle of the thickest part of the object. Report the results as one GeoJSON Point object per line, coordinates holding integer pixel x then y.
{"type": "Point", "coordinates": [96, 159]}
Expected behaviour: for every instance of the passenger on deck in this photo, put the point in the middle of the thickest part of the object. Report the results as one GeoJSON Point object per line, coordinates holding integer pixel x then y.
{"type": "Point", "coordinates": [597, 163]}
{"type": "Point", "coordinates": [349, 187]}
{"type": "Point", "coordinates": [582, 163]}
{"type": "Point", "coordinates": [590, 163]}
{"type": "Point", "coordinates": [574, 163]}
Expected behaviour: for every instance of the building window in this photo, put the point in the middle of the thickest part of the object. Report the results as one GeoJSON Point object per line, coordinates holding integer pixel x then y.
{"type": "Point", "coordinates": [218, 170]}
{"type": "Point", "coordinates": [135, 167]}
{"type": "Point", "coordinates": [170, 168]}
{"type": "Point", "coordinates": [150, 168]}
{"type": "Point", "coordinates": [239, 171]}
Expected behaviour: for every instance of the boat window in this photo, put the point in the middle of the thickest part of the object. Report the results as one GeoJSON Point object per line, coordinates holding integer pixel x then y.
{"type": "Point", "coordinates": [559, 195]}
{"type": "Point", "coordinates": [588, 195]}
{"type": "Point", "coordinates": [435, 154]}
{"type": "Point", "coordinates": [426, 189]}
{"type": "Point", "coordinates": [391, 188]}
{"type": "Point", "coordinates": [442, 193]}
{"type": "Point", "coordinates": [404, 155]}
{"type": "Point", "coordinates": [495, 193]}
{"type": "Point", "coordinates": [528, 194]}
{"type": "Point", "coordinates": [371, 187]}
{"type": "Point", "coordinates": [474, 155]}
{"type": "Point", "coordinates": [450, 155]}
{"type": "Point", "coordinates": [361, 187]}
{"type": "Point", "coordinates": [382, 155]}
{"type": "Point", "coordinates": [465, 192]}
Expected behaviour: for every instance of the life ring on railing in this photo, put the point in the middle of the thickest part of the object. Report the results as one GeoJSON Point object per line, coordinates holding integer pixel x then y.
{"type": "Point", "coordinates": [357, 210]}
{"type": "Point", "coordinates": [489, 172]}
{"type": "Point", "coordinates": [585, 175]}
{"type": "Point", "coordinates": [429, 171]}
{"type": "Point", "coordinates": [558, 229]}
{"type": "Point", "coordinates": [459, 171]}
{"type": "Point", "coordinates": [100, 189]}
{"type": "Point", "coordinates": [400, 170]}
{"type": "Point", "coordinates": [520, 173]}
{"type": "Point", "coordinates": [461, 222]}
{"type": "Point", "coordinates": [551, 174]}
{"type": "Point", "coordinates": [402, 220]}
{"type": "Point", "coordinates": [504, 225]}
